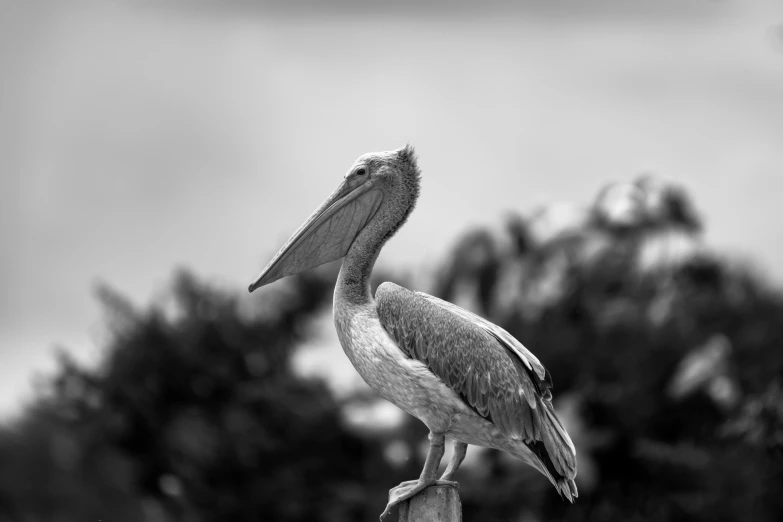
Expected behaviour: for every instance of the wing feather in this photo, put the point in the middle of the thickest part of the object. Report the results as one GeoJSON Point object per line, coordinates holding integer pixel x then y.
{"type": "Point", "coordinates": [493, 373]}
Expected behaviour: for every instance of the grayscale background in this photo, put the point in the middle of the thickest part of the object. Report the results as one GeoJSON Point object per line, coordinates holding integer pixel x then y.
{"type": "Point", "coordinates": [601, 178]}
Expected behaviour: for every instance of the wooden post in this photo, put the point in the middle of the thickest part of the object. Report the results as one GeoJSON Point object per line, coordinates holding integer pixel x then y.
{"type": "Point", "coordinates": [434, 504]}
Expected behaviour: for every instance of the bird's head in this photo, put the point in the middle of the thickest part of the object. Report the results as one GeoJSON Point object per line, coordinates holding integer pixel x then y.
{"type": "Point", "coordinates": [379, 190]}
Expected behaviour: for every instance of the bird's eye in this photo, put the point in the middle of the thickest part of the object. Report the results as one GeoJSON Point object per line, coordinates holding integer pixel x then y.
{"type": "Point", "coordinates": [361, 171]}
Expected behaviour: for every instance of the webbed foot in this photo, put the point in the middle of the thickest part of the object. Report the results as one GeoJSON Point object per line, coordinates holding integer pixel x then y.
{"type": "Point", "coordinates": [410, 489]}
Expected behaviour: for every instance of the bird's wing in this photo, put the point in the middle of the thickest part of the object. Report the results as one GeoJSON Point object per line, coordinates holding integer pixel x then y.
{"type": "Point", "coordinates": [491, 371]}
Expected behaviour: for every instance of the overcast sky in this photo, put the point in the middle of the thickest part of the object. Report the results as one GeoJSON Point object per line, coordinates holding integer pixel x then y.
{"type": "Point", "coordinates": [138, 136]}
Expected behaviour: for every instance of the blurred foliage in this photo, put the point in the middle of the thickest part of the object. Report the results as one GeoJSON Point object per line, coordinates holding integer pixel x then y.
{"type": "Point", "coordinates": [194, 414]}
{"type": "Point", "coordinates": [666, 359]}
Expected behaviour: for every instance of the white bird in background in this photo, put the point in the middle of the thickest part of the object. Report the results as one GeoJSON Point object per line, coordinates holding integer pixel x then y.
{"type": "Point", "coordinates": [464, 377]}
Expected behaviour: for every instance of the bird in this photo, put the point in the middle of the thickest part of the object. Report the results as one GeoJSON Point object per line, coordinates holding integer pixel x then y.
{"type": "Point", "coordinates": [464, 377]}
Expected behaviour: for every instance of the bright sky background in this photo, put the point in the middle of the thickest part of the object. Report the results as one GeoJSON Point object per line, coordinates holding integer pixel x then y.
{"type": "Point", "coordinates": [136, 136]}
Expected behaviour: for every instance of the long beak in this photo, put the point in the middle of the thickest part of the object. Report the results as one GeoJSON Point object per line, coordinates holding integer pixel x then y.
{"type": "Point", "coordinates": [326, 235]}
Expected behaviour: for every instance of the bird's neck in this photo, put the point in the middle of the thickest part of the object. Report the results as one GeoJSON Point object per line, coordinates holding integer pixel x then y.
{"type": "Point", "coordinates": [353, 283]}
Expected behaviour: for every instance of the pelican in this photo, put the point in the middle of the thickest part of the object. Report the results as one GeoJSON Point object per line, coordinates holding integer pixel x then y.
{"type": "Point", "coordinates": [462, 376]}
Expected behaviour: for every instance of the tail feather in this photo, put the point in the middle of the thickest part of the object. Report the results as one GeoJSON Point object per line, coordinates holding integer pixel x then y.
{"type": "Point", "coordinates": [566, 488]}
{"type": "Point", "coordinates": [555, 455]}
{"type": "Point", "coordinates": [557, 442]}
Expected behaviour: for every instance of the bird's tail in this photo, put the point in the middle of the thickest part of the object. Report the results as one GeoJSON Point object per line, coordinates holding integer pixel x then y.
{"type": "Point", "coordinates": [566, 488]}
{"type": "Point", "coordinates": [555, 453]}
{"type": "Point", "coordinates": [561, 452]}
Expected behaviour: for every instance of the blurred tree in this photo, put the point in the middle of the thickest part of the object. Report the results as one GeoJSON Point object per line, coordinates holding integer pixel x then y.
{"type": "Point", "coordinates": [623, 302]}
{"type": "Point", "coordinates": [197, 404]}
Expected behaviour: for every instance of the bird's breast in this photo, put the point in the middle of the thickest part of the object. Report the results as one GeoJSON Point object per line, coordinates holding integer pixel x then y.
{"type": "Point", "coordinates": [406, 383]}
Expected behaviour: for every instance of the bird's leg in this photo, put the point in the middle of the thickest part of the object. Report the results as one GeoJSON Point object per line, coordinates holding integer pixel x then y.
{"type": "Point", "coordinates": [460, 449]}
{"type": "Point", "coordinates": [428, 476]}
